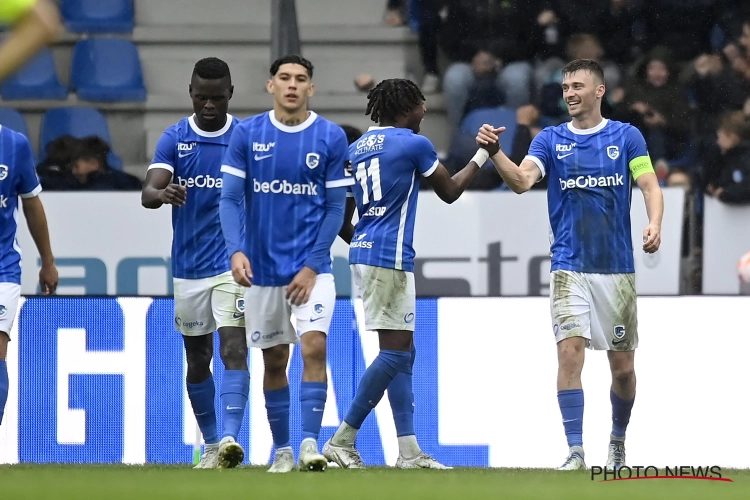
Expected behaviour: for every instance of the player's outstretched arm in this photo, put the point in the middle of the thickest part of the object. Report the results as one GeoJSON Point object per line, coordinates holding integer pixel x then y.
{"type": "Point", "coordinates": [448, 188]}
{"type": "Point", "coordinates": [519, 178]}
{"type": "Point", "coordinates": [158, 191]}
{"type": "Point", "coordinates": [347, 230]}
{"type": "Point", "coordinates": [36, 220]}
{"type": "Point", "coordinates": [654, 199]}
{"type": "Point", "coordinates": [35, 24]}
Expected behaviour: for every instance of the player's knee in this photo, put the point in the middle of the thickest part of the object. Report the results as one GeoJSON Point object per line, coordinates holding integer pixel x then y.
{"type": "Point", "coordinates": [275, 360]}
{"type": "Point", "coordinates": [623, 374]}
{"type": "Point", "coordinates": [198, 365]}
{"type": "Point", "coordinates": [233, 349]}
{"type": "Point", "coordinates": [3, 345]}
{"type": "Point", "coordinates": [314, 348]}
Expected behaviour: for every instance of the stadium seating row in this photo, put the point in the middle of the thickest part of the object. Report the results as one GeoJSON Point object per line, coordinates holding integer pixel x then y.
{"type": "Point", "coordinates": [98, 16]}
{"type": "Point", "coordinates": [75, 121]}
{"type": "Point", "coordinates": [103, 69]}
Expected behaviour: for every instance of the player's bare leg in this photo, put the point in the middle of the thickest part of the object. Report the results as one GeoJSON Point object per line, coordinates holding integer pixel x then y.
{"type": "Point", "coordinates": [276, 391]}
{"type": "Point", "coordinates": [234, 393]}
{"type": "Point", "coordinates": [201, 390]}
{"type": "Point", "coordinates": [3, 373]}
{"type": "Point", "coordinates": [313, 392]}
{"type": "Point", "coordinates": [622, 395]}
{"type": "Point", "coordinates": [570, 357]}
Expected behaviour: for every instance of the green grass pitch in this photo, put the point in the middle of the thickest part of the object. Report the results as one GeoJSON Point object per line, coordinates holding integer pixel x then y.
{"type": "Point", "coordinates": [63, 482]}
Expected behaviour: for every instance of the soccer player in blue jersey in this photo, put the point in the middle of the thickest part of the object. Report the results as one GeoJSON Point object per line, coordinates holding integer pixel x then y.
{"type": "Point", "coordinates": [186, 174]}
{"type": "Point", "coordinates": [591, 163]}
{"type": "Point", "coordinates": [288, 166]}
{"type": "Point", "coordinates": [18, 179]}
{"type": "Point", "coordinates": [387, 162]}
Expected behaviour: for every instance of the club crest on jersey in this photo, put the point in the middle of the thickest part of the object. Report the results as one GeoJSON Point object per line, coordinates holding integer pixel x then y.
{"type": "Point", "coordinates": [619, 331]}
{"type": "Point", "coordinates": [312, 160]}
{"type": "Point", "coordinates": [3, 172]}
{"type": "Point", "coordinates": [613, 152]}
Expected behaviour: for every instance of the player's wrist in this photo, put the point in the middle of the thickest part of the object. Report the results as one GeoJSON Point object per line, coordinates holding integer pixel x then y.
{"type": "Point", "coordinates": [481, 157]}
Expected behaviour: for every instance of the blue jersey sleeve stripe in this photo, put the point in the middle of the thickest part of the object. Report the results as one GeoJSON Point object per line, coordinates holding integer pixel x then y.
{"type": "Point", "coordinates": [165, 166]}
{"type": "Point", "coordinates": [339, 183]}
{"type": "Point", "coordinates": [432, 169]}
{"type": "Point", "coordinates": [33, 192]}
{"type": "Point", "coordinates": [233, 171]}
{"type": "Point", "coordinates": [538, 163]}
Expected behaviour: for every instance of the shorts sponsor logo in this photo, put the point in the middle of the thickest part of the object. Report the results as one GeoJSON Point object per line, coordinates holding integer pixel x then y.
{"type": "Point", "coordinates": [409, 318]}
{"type": "Point", "coordinates": [569, 326]}
{"type": "Point", "coordinates": [257, 336]}
{"type": "Point", "coordinates": [178, 321]}
{"type": "Point", "coordinates": [192, 324]}
{"type": "Point", "coordinates": [3, 311]}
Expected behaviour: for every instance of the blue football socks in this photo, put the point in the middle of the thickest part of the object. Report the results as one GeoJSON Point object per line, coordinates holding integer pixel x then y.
{"type": "Point", "coordinates": [571, 407]}
{"type": "Point", "coordinates": [3, 387]}
{"type": "Point", "coordinates": [313, 399]}
{"type": "Point", "coordinates": [374, 382]}
{"type": "Point", "coordinates": [235, 388]}
{"type": "Point", "coordinates": [202, 400]}
{"type": "Point", "coordinates": [277, 409]}
{"type": "Point", "coordinates": [401, 397]}
{"type": "Point", "coordinates": [620, 414]}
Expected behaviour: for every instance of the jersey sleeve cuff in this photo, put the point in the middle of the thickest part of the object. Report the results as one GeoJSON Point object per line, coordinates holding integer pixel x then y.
{"type": "Point", "coordinates": [339, 183]}
{"type": "Point", "coordinates": [233, 171]}
{"type": "Point", "coordinates": [33, 192]}
{"type": "Point", "coordinates": [538, 163]}
{"type": "Point", "coordinates": [432, 169]}
{"type": "Point", "coordinates": [165, 166]}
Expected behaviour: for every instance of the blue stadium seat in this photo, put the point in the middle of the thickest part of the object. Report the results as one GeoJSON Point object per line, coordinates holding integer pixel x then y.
{"type": "Point", "coordinates": [35, 80]}
{"type": "Point", "coordinates": [499, 117]}
{"type": "Point", "coordinates": [107, 69]}
{"type": "Point", "coordinates": [98, 16]}
{"type": "Point", "coordinates": [12, 119]}
{"type": "Point", "coordinates": [79, 122]}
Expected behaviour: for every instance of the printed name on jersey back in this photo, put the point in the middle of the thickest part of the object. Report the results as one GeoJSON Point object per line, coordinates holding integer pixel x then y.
{"type": "Point", "coordinates": [370, 143]}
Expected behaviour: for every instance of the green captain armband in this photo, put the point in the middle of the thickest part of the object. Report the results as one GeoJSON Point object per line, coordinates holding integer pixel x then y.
{"type": "Point", "coordinates": [12, 10]}
{"type": "Point", "coordinates": [641, 165]}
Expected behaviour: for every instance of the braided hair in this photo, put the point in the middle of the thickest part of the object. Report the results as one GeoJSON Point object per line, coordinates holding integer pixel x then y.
{"type": "Point", "coordinates": [393, 98]}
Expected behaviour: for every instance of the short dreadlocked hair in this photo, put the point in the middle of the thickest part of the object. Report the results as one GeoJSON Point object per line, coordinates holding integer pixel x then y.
{"type": "Point", "coordinates": [393, 98]}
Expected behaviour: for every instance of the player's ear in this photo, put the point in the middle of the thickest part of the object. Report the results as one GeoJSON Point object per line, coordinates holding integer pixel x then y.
{"type": "Point", "coordinates": [190, 89]}
{"type": "Point", "coordinates": [600, 90]}
{"type": "Point", "coordinates": [231, 92]}
{"type": "Point", "coordinates": [269, 86]}
{"type": "Point", "coordinates": [311, 90]}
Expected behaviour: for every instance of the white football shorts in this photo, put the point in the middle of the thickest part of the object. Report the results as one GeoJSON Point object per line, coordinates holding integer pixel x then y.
{"type": "Point", "coordinates": [388, 295]}
{"type": "Point", "coordinates": [270, 313]}
{"type": "Point", "coordinates": [598, 307]}
{"type": "Point", "coordinates": [9, 295]}
{"type": "Point", "coordinates": [202, 306]}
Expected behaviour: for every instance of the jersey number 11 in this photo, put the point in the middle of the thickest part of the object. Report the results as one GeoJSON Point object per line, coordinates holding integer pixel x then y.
{"type": "Point", "coordinates": [373, 172]}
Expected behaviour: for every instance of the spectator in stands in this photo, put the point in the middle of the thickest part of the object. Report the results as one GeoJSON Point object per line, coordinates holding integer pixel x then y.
{"type": "Point", "coordinates": [579, 46]}
{"type": "Point", "coordinates": [92, 173]}
{"type": "Point", "coordinates": [489, 48]}
{"type": "Point", "coordinates": [738, 54]}
{"type": "Point", "coordinates": [54, 171]}
{"type": "Point", "coordinates": [728, 177]}
{"type": "Point", "coordinates": [656, 103]}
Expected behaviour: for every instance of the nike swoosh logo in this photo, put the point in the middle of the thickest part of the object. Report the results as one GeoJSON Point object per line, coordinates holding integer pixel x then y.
{"type": "Point", "coordinates": [571, 420]}
{"type": "Point", "coordinates": [238, 315]}
{"type": "Point", "coordinates": [315, 319]}
{"type": "Point", "coordinates": [258, 158]}
{"type": "Point", "coordinates": [317, 409]}
{"type": "Point", "coordinates": [615, 342]}
{"type": "Point", "coordinates": [560, 157]}
{"type": "Point", "coordinates": [183, 155]}
{"type": "Point", "coordinates": [230, 408]}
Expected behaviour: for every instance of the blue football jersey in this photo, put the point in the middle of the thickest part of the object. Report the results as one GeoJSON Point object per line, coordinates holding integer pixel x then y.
{"type": "Point", "coordinates": [286, 170]}
{"type": "Point", "coordinates": [590, 175]}
{"type": "Point", "coordinates": [386, 163]}
{"type": "Point", "coordinates": [194, 157]}
{"type": "Point", "coordinates": [17, 178]}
